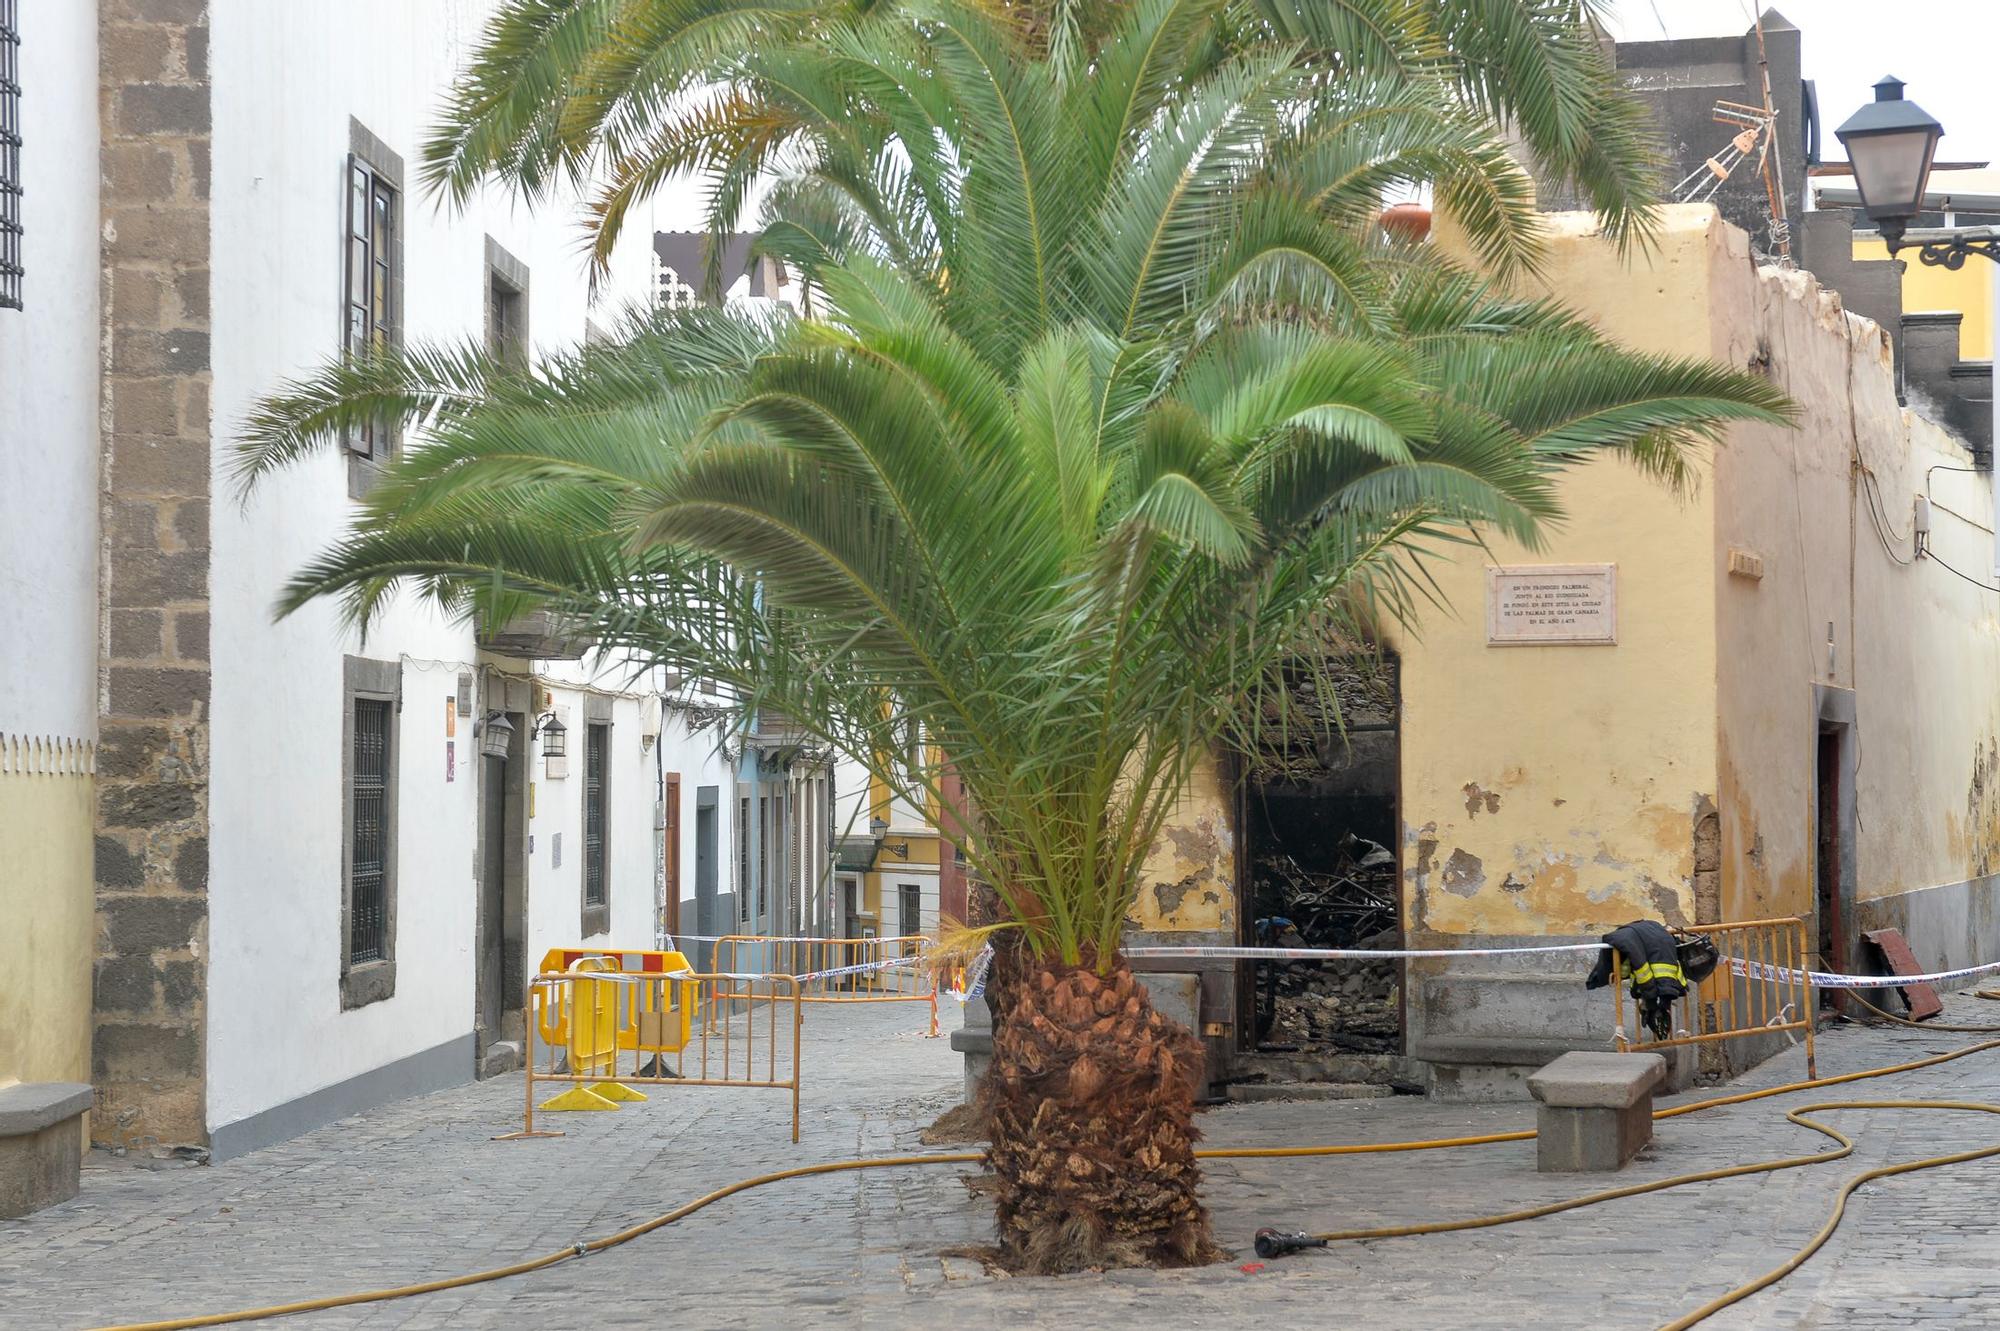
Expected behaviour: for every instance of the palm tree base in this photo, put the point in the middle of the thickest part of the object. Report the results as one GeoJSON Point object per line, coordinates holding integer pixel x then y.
{"type": "Point", "coordinates": [1092, 1101]}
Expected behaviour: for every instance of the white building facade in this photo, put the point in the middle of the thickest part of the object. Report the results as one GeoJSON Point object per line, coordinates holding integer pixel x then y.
{"type": "Point", "coordinates": [282, 872]}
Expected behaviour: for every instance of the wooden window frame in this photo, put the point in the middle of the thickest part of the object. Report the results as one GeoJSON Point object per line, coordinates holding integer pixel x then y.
{"type": "Point", "coordinates": [374, 170]}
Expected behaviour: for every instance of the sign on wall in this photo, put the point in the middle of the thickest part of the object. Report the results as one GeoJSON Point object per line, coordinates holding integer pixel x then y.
{"type": "Point", "coordinates": [1532, 604]}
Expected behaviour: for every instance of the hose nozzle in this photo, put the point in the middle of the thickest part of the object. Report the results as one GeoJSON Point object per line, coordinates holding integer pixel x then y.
{"type": "Point", "coordinates": [1276, 1243]}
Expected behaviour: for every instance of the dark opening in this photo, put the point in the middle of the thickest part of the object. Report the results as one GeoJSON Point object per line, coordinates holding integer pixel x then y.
{"type": "Point", "coordinates": [1320, 817]}
{"type": "Point", "coordinates": [910, 910]}
{"type": "Point", "coordinates": [707, 886]}
{"type": "Point", "coordinates": [1826, 858]}
{"type": "Point", "coordinates": [492, 891]}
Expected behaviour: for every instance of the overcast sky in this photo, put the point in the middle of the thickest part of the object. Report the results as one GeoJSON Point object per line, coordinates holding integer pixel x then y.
{"type": "Point", "coordinates": [1947, 51]}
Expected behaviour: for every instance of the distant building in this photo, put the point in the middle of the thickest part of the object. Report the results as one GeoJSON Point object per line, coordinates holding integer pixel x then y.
{"type": "Point", "coordinates": [681, 271]}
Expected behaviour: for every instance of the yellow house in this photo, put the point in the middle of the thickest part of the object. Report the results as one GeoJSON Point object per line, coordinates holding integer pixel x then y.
{"type": "Point", "coordinates": [895, 891]}
{"type": "Point", "coordinates": [1765, 699]}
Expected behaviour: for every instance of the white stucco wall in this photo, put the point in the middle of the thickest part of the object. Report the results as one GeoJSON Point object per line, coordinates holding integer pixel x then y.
{"type": "Point", "coordinates": [48, 391]}
{"type": "Point", "coordinates": [277, 1031]}
{"type": "Point", "coordinates": [695, 755]}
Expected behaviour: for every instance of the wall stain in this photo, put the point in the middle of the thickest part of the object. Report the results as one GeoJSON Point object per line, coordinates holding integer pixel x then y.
{"type": "Point", "coordinates": [1463, 874]}
{"type": "Point", "coordinates": [1475, 799]}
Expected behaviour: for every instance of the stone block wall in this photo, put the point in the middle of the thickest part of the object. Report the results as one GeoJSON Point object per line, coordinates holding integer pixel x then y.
{"type": "Point", "coordinates": [153, 649]}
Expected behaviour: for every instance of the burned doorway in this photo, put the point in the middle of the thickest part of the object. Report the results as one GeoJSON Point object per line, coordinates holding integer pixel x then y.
{"type": "Point", "coordinates": [1318, 808]}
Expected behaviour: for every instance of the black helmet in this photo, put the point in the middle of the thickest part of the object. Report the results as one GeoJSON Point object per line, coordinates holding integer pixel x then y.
{"type": "Point", "coordinates": [1697, 956]}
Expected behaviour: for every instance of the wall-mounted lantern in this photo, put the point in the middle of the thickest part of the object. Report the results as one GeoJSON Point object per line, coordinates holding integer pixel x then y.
{"type": "Point", "coordinates": [496, 735]}
{"type": "Point", "coordinates": [555, 746]}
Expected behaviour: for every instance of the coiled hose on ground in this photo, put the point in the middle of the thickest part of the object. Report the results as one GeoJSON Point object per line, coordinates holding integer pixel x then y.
{"type": "Point", "coordinates": [1707, 1310]}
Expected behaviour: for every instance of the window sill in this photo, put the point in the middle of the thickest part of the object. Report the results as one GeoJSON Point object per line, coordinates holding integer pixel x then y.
{"type": "Point", "coordinates": [370, 982]}
{"type": "Point", "coordinates": [596, 920]}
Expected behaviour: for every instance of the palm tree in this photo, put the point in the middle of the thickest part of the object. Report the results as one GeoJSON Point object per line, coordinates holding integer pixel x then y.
{"type": "Point", "coordinates": [1113, 402]}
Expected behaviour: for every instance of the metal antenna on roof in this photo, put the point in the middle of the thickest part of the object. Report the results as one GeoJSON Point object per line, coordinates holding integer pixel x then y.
{"type": "Point", "coordinates": [1755, 134]}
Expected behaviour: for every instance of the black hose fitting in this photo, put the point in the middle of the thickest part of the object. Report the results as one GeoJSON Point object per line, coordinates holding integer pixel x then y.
{"type": "Point", "coordinates": [1276, 1243]}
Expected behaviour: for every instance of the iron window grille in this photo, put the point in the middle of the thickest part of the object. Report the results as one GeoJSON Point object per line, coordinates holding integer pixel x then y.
{"type": "Point", "coordinates": [371, 293]}
{"type": "Point", "coordinates": [368, 919]}
{"type": "Point", "coordinates": [11, 271]}
{"type": "Point", "coordinates": [593, 815]}
{"type": "Point", "coordinates": [743, 859]}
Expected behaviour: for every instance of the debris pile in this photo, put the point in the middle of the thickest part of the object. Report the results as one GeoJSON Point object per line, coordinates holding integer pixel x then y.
{"type": "Point", "coordinates": [1337, 1006]}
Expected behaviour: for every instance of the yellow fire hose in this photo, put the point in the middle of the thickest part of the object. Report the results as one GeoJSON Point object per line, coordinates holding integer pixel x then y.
{"type": "Point", "coordinates": [1707, 1310]}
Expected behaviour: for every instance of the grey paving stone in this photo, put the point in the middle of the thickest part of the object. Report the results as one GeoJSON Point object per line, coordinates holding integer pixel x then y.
{"type": "Point", "coordinates": [415, 1192]}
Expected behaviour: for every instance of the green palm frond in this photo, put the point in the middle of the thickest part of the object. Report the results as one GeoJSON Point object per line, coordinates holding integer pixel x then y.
{"type": "Point", "coordinates": [1113, 405]}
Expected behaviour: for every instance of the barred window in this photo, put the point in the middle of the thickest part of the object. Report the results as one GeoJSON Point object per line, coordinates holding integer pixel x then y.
{"type": "Point", "coordinates": [743, 858]}
{"type": "Point", "coordinates": [10, 156]}
{"type": "Point", "coordinates": [368, 795]}
{"type": "Point", "coordinates": [593, 815]}
{"type": "Point", "coordinates": [369, 875]}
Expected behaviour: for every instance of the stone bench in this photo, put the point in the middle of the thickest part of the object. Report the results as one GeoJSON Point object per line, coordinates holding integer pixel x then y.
{"type": "Point", "coordinates": [41, 1144]}
{"type": "Point", "coordinates": [1594, 1111]}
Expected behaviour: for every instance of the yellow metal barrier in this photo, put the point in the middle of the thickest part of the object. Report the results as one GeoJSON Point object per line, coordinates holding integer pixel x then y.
{"type": "Point", "coordinates": [840, 970]}
{"type": "Point", "coordinates": [678, 1027]}
{"type": "Point", "coordinates": [1760, 986]}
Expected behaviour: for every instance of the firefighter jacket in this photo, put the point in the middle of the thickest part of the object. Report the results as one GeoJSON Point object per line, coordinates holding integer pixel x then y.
{"type": "Point", "coordinates": [1652, 961]}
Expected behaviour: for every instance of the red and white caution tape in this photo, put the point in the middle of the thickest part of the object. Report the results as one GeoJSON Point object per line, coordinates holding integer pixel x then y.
{"type": "Point", "coordinates": [1758, 970]}
{"type": "Point", "coordinates": [1352, 953]}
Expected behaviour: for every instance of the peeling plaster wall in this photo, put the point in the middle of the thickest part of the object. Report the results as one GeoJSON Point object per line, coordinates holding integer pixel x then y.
{"type": "Point", "coordinates": [1557, 789]}
{"type": "Point", "coordinates": [1188, 883]}
{"type": "Point", "coordinates": [1918, 647]}
{"type": "Point", "coordinates": [1785, 497]}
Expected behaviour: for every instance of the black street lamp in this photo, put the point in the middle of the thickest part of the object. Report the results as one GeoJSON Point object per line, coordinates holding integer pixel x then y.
{"type": "Point", "coordinates": [1891, 143]}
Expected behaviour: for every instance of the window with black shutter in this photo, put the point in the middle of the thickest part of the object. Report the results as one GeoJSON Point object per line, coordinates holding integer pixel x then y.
{"type": "Point", "coordinates": [10, 155]}
{"type": "Point", "coordinates": [368, 916]}
{"type": "Point", "coordinates": [593, 815]}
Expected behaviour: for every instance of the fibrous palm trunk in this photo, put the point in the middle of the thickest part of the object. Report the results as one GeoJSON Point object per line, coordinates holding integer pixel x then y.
{"type": "Point", "coordinates": [1092, 1102]}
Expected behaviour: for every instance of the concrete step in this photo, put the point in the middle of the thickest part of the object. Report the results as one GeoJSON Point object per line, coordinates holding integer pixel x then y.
{"type": "Point", "coordinates": [1406, 1074]}
{"type": "Point", "coordinates": [1256, 1092]}
{"type": "Point", "coordinates": [502, 1057]}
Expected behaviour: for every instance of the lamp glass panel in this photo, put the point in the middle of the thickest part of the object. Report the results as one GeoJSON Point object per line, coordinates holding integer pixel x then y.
{"type": "Point", "coordinates": [1891, 169]}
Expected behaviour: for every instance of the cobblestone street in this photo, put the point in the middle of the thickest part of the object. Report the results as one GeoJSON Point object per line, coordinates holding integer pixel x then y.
{"type": "Point", "coordinates": [416, 1191]}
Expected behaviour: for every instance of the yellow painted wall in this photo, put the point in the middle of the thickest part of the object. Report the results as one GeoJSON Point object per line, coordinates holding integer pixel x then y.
{"type": "Point", "coordinates": [1554, 789]}
{"type": "Point", "coordinates": [46, 912]}
{"type": "Point", "coordinates": [1188, 883]}
{"type": "Point", "coordinates": [1967, 291]}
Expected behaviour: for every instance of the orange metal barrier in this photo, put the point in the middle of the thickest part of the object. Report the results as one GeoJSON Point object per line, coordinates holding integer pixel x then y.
{"type": "Point", "coordinates": [825, 967]}
{"type": "Point", "coordinates": [1761, 986]}
{"type": "Point", "coordinates": [678, 1026]}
